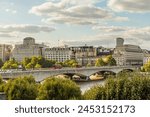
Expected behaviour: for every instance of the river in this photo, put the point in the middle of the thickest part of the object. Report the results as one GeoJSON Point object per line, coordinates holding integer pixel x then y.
{"type": "Point", "coordinates": [87, 85]}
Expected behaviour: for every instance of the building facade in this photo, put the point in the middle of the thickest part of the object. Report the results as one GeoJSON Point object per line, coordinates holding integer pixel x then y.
{"type": "Point", "coordinates": [84, 54]}
{"type": "Point", "coordinates": [146, 58]}
{"type": "Point", "coordinates": [5, 51]}
{"type": "Point", "coordinates": [59, 54]}
{"type": "Point", "coordinates": [28, 49]}
{"type": "Point", "coordinates": [126, 54]}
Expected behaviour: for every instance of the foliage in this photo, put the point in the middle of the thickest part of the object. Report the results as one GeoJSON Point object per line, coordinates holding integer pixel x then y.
{"type": "Point", "coordinates": [59, 89]}
{"type": "Point", "coordinates": [37, 62]}
{"type": "Point", "coordinates": [110, 60]}
{"type": "Point", "coordinates": [99, 62]}
{"type": "Point", "coordinates": [2, 84]}
{"type": "Point", "coordinates": [1, 63]}
{"type": "Point", "coordinates": [106, 60]}
{"type": "Point", "coordinates": [10, 64]}
{"type": "Point", "coordinates": [70, 63]}
{"type": "Point", "coordinates": [146, 67]}
{"type": "Point", "coordinates": [124, 87]}
{"type": "Point", "coordinates": [21, 88]}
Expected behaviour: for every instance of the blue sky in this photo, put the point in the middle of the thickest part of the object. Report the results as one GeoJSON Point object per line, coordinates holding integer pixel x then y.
{"type": "Point", "coordinates": [76, 22]}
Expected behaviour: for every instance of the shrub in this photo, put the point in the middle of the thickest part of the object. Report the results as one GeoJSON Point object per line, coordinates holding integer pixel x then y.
{"type": "Point", "coordinates": [22, 88]}
{"type": "Point", "coordinates": [124, 87]}
{"type": "Point", "coordinates": [58, 89]}
{"type": "Point", "coordinates": [2, 84]}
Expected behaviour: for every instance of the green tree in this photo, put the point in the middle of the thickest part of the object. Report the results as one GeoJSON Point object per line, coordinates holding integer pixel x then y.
{"type": "Point", "coordinates": [29, 66]}
{"type": "Point", "coordinates": [123, 87]}
{"type": "Point", "coordinates": [38, 66]}
{"type": "Point", "coordinates": [1, 63]}
{"type": "Point", "coordinates": [21, 88]}
{"type": "Point", "coordinates": [146, 67]}
{"type": "Point", "coordinates": [99, 62]}
{"type": "Point", "coordinates": [111, 61]}
{"type": "Point", "coordinates": [34, 61]}
{"type": "Point", "coordinates": [70, 63]}
{"type": "Point", "coordinates": [10, 64]}
{"type": "Point", "coordinates": [26, 61]}
{"type": "Point", "coordinates": [59, 89]}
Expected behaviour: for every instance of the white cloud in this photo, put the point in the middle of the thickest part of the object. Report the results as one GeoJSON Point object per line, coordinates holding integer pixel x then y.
{"type": "Point", "coordinates": [74, 12]}
{"type": "Point", "coordinates": [11, 11]}
{"type": "Point", "coordinates": [25, 28]}
{"type": "Point", "coordinates": [130, 5]}
{"type": "Point", "coordinates": [107, 34]}
{"type": "Point", "coordinates": [7, 35]}
{"type": "Point", "coordinates": [13, 30]}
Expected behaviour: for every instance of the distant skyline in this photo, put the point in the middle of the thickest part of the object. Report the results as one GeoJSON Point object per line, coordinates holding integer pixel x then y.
{"type": "Point", "coordinates": [76, 22]}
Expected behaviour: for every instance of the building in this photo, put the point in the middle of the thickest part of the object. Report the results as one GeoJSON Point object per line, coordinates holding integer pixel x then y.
{"type": "Point", "coordinates": [59, 54]}
{"type": "Point", "coordinates": [5, 51]}
{"type": "Point", "coordinates": [146, 56]}
{"type": "Point", "coordinates": [101, 51]}
{"type": "Point", "coordinates": [126, 54]}
{"type": "Point", "coordinates": [84, 54]}
{"type": "Point", "coordinates": [28, 49]}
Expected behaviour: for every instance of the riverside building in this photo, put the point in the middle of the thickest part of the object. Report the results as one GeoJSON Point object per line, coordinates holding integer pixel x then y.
{"type": "Point", "coordinates": [126, 54]}
{"type": "Point", "coordinates": [28, 49]}
{"type": "Point", "coordinates": [84, 54]}
{"type": "Point", "coordinates": [5, 51]}
{"type": "Point", "coordinates": [59, 54]}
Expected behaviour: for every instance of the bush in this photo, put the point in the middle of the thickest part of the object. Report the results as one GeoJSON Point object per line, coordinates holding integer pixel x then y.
{"type": "Point", "coordinates": [124, 87]}
{"type": "Point", "coordinates": [2, 84]}
{"type": "Point", "coordinates": [58, 89]}
{"type": "Point", "coordinates": [22, 88]}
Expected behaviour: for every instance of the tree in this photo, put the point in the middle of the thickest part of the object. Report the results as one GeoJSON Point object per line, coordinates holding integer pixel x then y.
{"type": "Point", "coordinates": [37, 66]}
{"type": "Point", "coordinates": [11, 64]}
{"type": "Point", "coordinates": [106, 60]}
{"type": "Point", "coordinates": [37, 62]}
{"type": "Point", "coordinates": [123, 87]}
{"type": "Point", "coordinates": [21, 88]}
{"type": "Point", "coordinates": [99, 62]}
{"type": "Point", "coordinates": [26, 61]}
{"type": "Point", "coordinates": [58, 89]}
{"type": "Point", "coordinates": [111, 61]}
{"type": "Point", "coordinates": [2, 84]}
{"type": "Point", "coordinates": [70, 63]}
{"type": "Point", "coordinates": [1, 63]}
{"type": "Point", "coordinates": [146, 67]}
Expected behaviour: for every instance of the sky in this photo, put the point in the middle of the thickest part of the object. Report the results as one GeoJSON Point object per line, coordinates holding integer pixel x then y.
{"type": "Point", "coordinates": [76, 22]}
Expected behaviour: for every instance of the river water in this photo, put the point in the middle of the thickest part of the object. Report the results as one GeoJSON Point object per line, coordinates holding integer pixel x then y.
{"type": "Point", "coordinates": [87, 85]}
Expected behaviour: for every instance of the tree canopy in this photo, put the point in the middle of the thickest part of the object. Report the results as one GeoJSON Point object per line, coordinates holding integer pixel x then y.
{"type": "Point", "coordinates": [105, 61]}
{"type": "Point", "coordinates": [21, 88]}
{"type": "Point", "coordinates": [10, 64]}
{"type": "Point", "coordinates": [58, 89]}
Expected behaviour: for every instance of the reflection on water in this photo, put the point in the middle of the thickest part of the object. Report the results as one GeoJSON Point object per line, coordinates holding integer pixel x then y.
{"type": "Point", "coordinates": [87, 85]}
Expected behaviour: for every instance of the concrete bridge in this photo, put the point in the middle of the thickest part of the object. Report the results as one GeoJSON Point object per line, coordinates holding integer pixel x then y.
{"type": "Point", "coordinates": [40, 75]}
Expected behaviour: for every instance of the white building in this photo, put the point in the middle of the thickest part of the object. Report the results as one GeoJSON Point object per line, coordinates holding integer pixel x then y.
{"type": "Point", "coordinates": [59, 54]}
{"type": "Point", "coordinates": [146, 56]}
{"type": "Point", "coordinates": [28, 49]}
{"type": "Point", "coordinates": [5, 51]}
{"type": "Point", "coordinates": [126, 54]}
{"type": "Point", "coordinates": [84, 54]}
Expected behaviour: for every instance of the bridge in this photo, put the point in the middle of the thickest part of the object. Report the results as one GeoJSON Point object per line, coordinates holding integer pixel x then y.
{"type": "Point", "coordinates": [40, 75]}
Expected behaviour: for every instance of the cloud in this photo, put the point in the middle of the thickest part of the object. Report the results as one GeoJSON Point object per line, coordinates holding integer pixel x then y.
{"type": "Point", "coordinates": [110, 29]}
{"type": "Point", "coordinates": [14, 29]}
{"type": "Point", "coordinates": [6, 35]}
{"type": "Point", "coordinates": [74, 12]}
{"type": "Point", "coordinates": [138, 6]}
{"type": "Point", "coordinates": [11, 11]}
{"type": "Point", "coordinates": [25, 28]}
{"type": "Point", "coordinates": [107, 34]}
